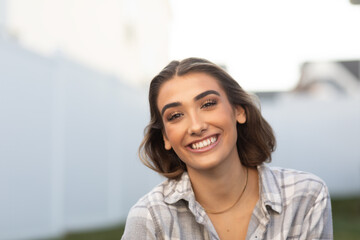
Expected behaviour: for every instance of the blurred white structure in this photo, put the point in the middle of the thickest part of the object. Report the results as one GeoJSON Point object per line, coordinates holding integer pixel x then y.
{"type": "Point", "coordinates": [330, 79]}
{"type": "Point", "coordinates": [68, 144]}
{"type": "Point", "coordinates": [69, 129]}
{"type": "Point", "coordinates": [318, 124]}
{"type": "Point", "coordinates": [318, 135]}
{"type": "Point", "coordinates": [125, 38]}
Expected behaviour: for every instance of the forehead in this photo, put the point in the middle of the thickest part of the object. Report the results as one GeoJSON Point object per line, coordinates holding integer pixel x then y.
{"type": "Point", "coordinates": [181, 88]}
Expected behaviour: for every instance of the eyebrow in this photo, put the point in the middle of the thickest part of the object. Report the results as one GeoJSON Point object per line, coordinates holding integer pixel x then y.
{"type": "Point", "coordinates": [196, 98]}
{"type": "Point", "coordinates": [204, 94]}
{"type": "Point", "coordinates": [170, 105]}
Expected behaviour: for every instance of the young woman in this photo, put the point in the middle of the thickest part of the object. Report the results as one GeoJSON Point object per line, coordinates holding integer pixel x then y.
{"type": "Point", "coordinates": [207, 136]}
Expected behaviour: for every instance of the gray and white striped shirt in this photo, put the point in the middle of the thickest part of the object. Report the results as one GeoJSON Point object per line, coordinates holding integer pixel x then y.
{"type": "Point", "coordinates": [292, 205]}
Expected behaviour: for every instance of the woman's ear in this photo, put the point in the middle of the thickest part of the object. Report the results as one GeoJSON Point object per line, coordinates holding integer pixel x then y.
{"type": "Point", "coordinates": [167, 144]}
{"type": "Point", "coordinates": [240, 114]}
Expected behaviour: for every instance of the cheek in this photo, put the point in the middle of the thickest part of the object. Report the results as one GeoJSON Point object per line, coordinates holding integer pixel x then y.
{"type": "Point", "coordinates": [172, 133]}
{"type": "Point", "coordinates": [227, 116]}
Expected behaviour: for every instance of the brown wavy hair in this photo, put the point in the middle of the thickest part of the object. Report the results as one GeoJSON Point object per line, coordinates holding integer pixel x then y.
{"type": "Point", "coordinates": [255, 141]}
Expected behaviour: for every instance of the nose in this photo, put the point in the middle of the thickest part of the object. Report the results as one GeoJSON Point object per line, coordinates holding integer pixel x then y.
{"type": "Point", "coordinates": [197, 125]}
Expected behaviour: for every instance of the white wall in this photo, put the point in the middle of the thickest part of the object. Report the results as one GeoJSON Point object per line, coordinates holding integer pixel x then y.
{"type": "Point", "coordinates": [318, 135]}
{"type": "Point", "coordinates": [25, 144]}
{"type": "Point", "coordinates": [68, 143]}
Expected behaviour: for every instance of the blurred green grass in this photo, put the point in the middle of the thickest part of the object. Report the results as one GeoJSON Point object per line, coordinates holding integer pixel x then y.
{"type": "Point", "coordinates": [346, 221]}
{"type": "Point", "coordinates": [346, 218]}
{"type": "Point", "coordinates": [111, 233]}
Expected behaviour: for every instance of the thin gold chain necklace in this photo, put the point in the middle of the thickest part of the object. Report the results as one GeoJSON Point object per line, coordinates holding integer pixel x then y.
{"type": "Point", "coordinates": [237, 200]}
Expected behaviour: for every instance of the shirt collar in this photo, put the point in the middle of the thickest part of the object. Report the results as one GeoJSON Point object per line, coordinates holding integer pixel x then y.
{"type": "Point", "coordinates": [176, 190]}
{"type": "Point", "coordinates": [270, 191]}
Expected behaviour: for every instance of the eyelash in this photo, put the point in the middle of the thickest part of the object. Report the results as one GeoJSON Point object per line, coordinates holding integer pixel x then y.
{"type": "Point", "coordinates": [207, 104]}
{"type": "Point", "coordinates": [174, 116]}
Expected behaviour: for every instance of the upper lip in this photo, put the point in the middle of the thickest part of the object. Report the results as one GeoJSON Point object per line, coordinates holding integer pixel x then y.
{"type": "Point", "coordinates": [202, 139]}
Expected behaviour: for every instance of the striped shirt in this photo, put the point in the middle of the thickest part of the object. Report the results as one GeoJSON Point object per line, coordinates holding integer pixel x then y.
{"type": "Point", "coordinates": [292, 205]}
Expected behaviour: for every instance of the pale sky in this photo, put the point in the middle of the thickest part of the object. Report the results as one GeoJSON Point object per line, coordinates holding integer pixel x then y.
{"type": "Point", "coordinates": [263, 42]}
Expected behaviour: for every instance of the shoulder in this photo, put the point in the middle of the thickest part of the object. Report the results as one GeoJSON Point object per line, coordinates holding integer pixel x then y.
{"type": "Point", "coordinates": [301, 201]}
{"type": "Point", "coordinates": [166, 193]}
{"type": "Point", "coordinates": [146, 218]}
{"type": "Point", "coordinates": [152, 199]}
{"type": "Point", "coordinates": [291, 177]}
{"type": "Point", "coordinates": [291, 185]}
{"type": "Point", "coordinates": [140, 222]}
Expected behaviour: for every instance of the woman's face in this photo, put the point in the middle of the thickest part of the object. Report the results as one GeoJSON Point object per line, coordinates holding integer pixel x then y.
{"type": "Point", "coordinates": [199, 122]}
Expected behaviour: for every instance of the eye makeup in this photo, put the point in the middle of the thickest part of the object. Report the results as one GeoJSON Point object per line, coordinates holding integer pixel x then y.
{"type": "Point", "coordinates": [196, 98]}
{"type": "Point", "coordinates": [209, 103]}
{"type": "Point", "coordinates": [173, 116]}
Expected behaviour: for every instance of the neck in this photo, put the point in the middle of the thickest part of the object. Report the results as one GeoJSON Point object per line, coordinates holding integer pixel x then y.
{"type": "Point", "coordinates": [219, 187]}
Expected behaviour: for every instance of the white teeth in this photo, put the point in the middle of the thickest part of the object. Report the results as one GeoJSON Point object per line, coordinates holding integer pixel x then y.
{"type": "Point", "coordinates": [203, 143]}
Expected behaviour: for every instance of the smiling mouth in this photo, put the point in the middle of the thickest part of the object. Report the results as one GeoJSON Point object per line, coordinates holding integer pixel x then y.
{"type": "Point", "coordinates": [204, 143]}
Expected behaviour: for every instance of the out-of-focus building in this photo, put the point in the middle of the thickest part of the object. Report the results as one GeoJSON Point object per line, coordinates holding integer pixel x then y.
{"type": "Point", "coordinates": [126, 38]}
{"type": "Point", "coordinates": [70, 124]}
{"type": "Point", "coordinates": [317, 124]}
{"type": "Point", "coordinates": [329, 79]}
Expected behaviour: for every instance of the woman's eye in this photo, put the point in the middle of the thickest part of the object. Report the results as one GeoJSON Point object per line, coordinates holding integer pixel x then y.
{"type": "Point", "coordinates": [209, 103]}
{"type": "Point", "coordinates": [174, 116]}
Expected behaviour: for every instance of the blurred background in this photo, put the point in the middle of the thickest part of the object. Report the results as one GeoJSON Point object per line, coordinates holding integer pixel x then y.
{"type": "Point", "coordinates": [74, 77]}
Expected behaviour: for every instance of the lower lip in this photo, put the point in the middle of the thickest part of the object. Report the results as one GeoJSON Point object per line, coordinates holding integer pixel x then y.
{"type": "Point", "coordinates": [205, 149]}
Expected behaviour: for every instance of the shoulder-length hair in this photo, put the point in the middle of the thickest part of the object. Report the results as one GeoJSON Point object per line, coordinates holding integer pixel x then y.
{"type": "Point", "coordinates": [255, 138]}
